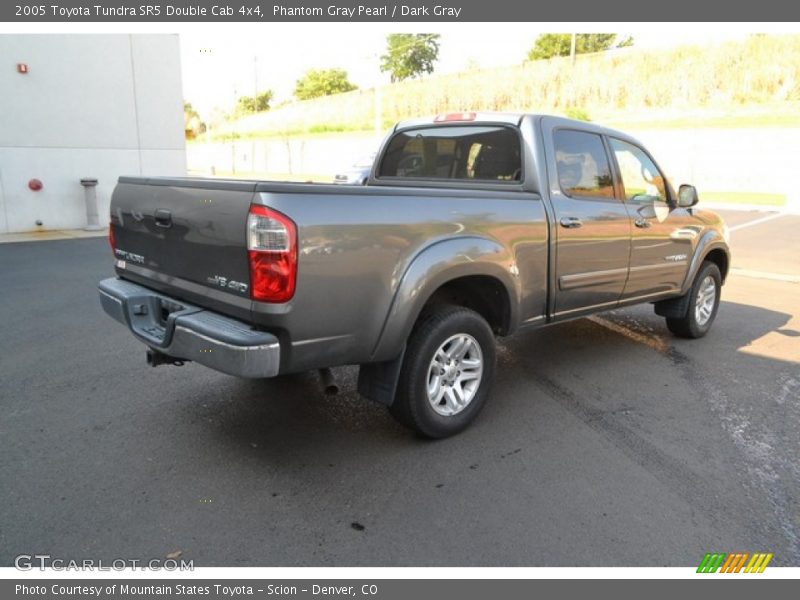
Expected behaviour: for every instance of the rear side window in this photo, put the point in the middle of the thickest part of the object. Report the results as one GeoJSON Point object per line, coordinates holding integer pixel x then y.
{"type": "Point", "coordinates": [467, 152]}
{"type": "Point", "coordinates": [582, 164]}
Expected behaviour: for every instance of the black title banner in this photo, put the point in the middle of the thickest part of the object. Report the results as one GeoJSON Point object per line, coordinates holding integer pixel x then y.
{"type": "Point", "coordinates": [238, 11]}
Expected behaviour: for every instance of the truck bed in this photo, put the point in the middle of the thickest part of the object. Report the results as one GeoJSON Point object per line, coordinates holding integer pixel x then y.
{"type": "Point", "coordinates": [355, 247]}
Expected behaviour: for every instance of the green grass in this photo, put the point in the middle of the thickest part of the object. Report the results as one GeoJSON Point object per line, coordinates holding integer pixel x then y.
{"type": "Point", "coordinates": [759, 198]}
{"type": "Point", "coordinates": [782, 117]}
{"type": "Point", "coordinates": [732, 121]}
{"type": "Point", "coordinates": [314, 132]}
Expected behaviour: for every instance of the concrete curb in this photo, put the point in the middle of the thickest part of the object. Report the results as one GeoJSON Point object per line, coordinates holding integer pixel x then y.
{"type": "Point", "coordinates": [48, 236]}
{"type": "Point", "coordinates": [784, 277]}
{"type": "Point", "coordinates": [743, 207]}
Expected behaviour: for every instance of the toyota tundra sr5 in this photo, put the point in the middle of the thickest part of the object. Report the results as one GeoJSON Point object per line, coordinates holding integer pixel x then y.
{"type": "Point", "coordinates": [471, 226]}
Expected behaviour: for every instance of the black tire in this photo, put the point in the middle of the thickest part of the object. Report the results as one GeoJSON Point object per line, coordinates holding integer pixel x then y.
{"type": "Point", "coordinates": [411, 405]}
{"type": "Point", "coordinates": [688, 326]}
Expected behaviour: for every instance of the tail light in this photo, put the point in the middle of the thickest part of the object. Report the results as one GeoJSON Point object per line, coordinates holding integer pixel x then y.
{"type": "Point", "coordinates": [272, 253]}
{"type": "Point", "coordinates": [112, 241]}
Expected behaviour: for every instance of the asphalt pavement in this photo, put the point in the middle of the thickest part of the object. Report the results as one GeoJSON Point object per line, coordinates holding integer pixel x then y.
{"type": "Point", "coordinates": [607, 442]}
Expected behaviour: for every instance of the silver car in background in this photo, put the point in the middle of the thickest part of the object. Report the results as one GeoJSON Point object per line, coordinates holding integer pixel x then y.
{"type": "Point", "coordinates": [357, 173]}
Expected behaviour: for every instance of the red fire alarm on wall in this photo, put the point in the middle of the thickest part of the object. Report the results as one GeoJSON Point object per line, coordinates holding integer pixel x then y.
{"type": "Point", "coordinates": [22, 68]}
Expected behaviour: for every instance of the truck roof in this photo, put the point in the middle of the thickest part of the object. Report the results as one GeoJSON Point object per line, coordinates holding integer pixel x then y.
{"type": "Point", "coordinates": [509, 118]}
{"type": "Point", "coordinates": [466, 117]}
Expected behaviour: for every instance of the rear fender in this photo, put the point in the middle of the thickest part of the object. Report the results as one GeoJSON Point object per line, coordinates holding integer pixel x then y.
{"type": "Point", "coordinates": [434, 266]}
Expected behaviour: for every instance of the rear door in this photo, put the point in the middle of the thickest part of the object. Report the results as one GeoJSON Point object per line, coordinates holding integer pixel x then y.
{"type": "Point", "coordinates": [184, 234]}
{"type": "Point", "coordinates": [662, 234]}
{"type": "Point", "coordinates": [593, 231]}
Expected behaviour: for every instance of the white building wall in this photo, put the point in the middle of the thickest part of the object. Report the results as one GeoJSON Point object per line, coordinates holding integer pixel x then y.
{"type": "Point", "coordinates": [90, 106]}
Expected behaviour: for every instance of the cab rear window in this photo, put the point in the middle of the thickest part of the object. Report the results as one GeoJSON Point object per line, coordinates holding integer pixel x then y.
{"type": "Point", "coordinates": [462, 152]}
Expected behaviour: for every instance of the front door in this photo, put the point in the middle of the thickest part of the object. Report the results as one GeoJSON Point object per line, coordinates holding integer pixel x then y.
{"type": "Point", "coordinates": [662, 234]}
{"type": "Point", "coordinates": [593, 231]}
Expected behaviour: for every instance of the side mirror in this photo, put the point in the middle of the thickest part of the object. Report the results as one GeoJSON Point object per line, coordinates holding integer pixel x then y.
{"type": "Point", "coordinates": [687, 196]}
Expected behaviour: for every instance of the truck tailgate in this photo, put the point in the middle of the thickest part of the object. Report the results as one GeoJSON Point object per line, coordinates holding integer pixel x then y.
{"type": "Point", "coordinates": [183, 229]}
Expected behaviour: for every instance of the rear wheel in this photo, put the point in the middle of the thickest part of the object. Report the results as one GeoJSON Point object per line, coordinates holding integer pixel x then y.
{"type": "Point", "coordinates": [703, 303]}
{"type": "Point", "coordinates": [447, 372]}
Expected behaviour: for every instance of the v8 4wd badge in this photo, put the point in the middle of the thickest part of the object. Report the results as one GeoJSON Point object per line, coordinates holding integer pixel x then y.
{"type": "Point", "coordinates": [228, 284]}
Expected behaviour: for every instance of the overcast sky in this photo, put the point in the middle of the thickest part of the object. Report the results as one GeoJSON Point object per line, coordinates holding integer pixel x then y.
{"type": "Point", "coordinates": [234, 61]}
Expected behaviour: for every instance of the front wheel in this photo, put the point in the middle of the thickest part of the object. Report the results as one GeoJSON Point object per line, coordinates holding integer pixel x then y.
{"type": "Point", "coordinates": [447, 372]}
{"type": "Point", "coordinates": [703, 304]}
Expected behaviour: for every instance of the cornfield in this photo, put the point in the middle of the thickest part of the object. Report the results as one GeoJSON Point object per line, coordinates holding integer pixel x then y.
{"type": "Point", "coordinates": [760, 70]}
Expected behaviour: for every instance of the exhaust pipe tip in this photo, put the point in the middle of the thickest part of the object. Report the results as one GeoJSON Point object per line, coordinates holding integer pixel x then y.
{"type": "Point", "coordinates": [328, 383]}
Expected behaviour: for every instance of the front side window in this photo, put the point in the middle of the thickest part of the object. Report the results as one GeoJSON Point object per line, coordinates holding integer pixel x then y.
{"type": "Point", "coordinates": [582, 164]}
{"type": "Point", "coordinates": [469, 152]}
{"type": "Point", "coordinates": [641, 179]}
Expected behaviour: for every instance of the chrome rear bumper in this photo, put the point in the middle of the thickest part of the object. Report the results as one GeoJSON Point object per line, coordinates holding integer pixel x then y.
{"type": "Point", "coordinates": [187, 332]}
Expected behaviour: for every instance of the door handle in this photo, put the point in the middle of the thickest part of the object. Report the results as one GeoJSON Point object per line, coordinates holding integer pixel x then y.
{"type": "Point", "coordinates": [570, 222]}
{"type": "Point", "coordinates": [163, 218]}
{"type": "Point", "coordinates": [642, 223]}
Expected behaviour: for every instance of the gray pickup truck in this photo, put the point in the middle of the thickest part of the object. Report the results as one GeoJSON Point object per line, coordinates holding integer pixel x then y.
{"type": "Point", "coordinates": [471, 225]}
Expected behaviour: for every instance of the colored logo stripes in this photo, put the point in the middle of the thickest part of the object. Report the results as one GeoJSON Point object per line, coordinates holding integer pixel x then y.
{"type": "Point", "coordinates": [735, 562]}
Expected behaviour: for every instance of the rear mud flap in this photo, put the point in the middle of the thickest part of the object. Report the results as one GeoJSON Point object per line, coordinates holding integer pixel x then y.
{"type": "Point", "coordinates": [673, 308]}
{"type": "Point", "coordinates": [378, 381]}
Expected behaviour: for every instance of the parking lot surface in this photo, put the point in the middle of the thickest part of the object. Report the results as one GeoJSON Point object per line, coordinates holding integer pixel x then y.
{"type": "Point", "coordinates": [607, 442]}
